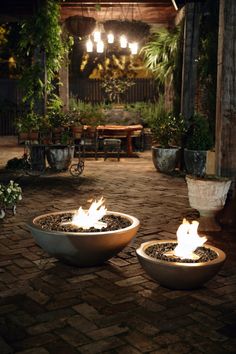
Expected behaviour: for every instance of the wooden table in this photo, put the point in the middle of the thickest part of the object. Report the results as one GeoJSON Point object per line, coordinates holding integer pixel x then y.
{"type": "Point", "coordinates": [122, 131]}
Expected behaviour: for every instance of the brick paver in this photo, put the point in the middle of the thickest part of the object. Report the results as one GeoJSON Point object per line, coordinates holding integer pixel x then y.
{"type": "Point", "coordinates": [50, 307]}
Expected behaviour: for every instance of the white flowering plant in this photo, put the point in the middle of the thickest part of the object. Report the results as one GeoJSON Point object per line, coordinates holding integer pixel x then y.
{"type": "Point", "coordinates": [10, 194]}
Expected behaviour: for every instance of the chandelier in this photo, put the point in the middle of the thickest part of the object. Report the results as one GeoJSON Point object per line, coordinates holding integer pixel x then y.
{"type": "Point", "coordinates": [99, 39]}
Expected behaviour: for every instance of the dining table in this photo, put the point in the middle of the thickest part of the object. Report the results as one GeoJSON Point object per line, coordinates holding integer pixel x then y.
{"type": "Point", "coordinates": [120, 131]}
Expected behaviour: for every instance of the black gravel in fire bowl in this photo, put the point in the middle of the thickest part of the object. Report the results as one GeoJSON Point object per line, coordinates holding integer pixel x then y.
{"type": "Point", "coordinates": [158, 251]}
{"type": "Point", "coordinates": [55, 223]}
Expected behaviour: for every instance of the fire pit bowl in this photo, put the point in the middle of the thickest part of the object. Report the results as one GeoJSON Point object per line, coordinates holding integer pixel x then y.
{"type": "Point", "coordinates": [83, 249]}
{"type": "Point", "coordinates": [179, 275]}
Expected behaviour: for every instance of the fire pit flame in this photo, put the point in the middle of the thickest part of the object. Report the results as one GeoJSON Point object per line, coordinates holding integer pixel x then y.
{"type": "Point", "coordinates": [86, 219]}
{"type": "Point", "coordinates": [188, 240]}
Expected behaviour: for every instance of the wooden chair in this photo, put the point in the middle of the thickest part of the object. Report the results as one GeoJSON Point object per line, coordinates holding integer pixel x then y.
{"type": "Point", "coordinates": [112, 145]}
{"type": "Point", "coordinates": [89, 141]}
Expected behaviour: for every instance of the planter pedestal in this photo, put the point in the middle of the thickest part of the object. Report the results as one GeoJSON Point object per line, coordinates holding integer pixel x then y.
{"type": "Point", "coordinates": [208, 196]}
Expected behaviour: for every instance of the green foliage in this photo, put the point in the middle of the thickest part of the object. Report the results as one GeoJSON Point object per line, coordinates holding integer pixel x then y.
{"type": "Point", "coordinates": [40, 39]}
{"type": "Point", "coordinates": [29, 122]}
{"type": "Point", "coordinates": [167, 128]}
{"type": "Point", "coordinates": [87, 113]}
{"type": "Point", "coordinates": [199, 136]}
{"type": "Point", "coordinates": [114, 87]}
{"type": "Point", "coordinates": [160, 53]}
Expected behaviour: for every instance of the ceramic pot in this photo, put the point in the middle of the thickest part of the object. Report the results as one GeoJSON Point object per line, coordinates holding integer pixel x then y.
{"type": "Point", "coordinates": [165, 160]}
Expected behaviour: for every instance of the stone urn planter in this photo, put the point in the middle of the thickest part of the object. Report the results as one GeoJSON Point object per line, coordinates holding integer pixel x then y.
{"type": "Point", "coordinates": [177, 274]}
{"type": "Point", "coordinates": [83, 249]}
{"type": "Point", "coordinates": [165, 160]}
{"type": "Point", "coordinates": [59, 156]}
{"type": "Point", "coordinates": [208, 196]}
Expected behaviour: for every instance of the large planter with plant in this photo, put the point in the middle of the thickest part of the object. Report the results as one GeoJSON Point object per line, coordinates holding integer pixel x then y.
{"type": "Point", "coordinates": [59, 156]}
{"type": "Point", "coordinates": [167, 130]}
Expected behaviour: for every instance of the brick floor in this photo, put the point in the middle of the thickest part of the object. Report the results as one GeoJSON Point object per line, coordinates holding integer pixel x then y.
{"type": "Point", "coordinates": [49, 307]}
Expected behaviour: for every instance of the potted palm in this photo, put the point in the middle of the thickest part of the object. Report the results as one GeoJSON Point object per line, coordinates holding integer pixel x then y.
{"type": "Point", "coordinates": [167, 130]}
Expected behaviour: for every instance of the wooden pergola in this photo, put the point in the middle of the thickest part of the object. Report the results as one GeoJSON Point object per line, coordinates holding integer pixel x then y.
{"type": "Point", "coordinates": [166, 12]}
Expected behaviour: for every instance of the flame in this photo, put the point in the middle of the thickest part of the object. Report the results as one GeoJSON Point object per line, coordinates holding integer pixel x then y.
{"type": "Point", "coordinates": [86, 219]}
{"type": "Point", "coordinates": [188, 240]}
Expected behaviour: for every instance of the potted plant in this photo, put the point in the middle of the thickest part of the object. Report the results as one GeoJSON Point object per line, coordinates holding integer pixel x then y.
{"type": "Point", "coordinates": [167, 130]}
{"type": "Point", "coordinates": [207, 193]}
{"type": "Point", "coordinates": [198, 141]}
{"type": "Point", "coordinates": [28, 127]}
{"type": "Point", "coordinates": [10, 194]}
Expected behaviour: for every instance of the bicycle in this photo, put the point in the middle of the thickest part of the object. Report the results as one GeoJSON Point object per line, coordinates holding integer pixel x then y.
{"type": "Point", "coordinates": [77, 168]}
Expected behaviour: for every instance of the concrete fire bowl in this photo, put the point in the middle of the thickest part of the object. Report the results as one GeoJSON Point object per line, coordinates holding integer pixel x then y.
{"type": "Point", "coordinates": [177, 275]}
{"type": "Point", "coordinates": [83, 249]}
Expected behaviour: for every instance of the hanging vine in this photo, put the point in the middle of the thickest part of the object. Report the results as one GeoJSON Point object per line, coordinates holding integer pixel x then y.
{"type": "Point", "coordinates": [41, 49]}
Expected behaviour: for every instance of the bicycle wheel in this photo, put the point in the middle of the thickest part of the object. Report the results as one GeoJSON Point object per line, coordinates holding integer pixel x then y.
{"type": "Point", "coordinates": [76, 169]}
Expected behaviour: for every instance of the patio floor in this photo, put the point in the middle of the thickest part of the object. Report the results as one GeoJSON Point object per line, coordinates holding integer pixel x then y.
{"type": "Point", "coordinates": [49, 307]}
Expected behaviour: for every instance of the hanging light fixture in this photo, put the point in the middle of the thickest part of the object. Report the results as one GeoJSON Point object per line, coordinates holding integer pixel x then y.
{"type": "Point", "coordinates": [123, 41]}
{"type": "Point", "coordinates": [89, 45]}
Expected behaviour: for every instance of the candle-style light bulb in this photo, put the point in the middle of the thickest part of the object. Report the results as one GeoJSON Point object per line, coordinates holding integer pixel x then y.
{"type": "Point", "coordinates": [89, 46]}
{"type": "Point", "coordinates": [97, 36]}
{"type": "Point", "coordinates": [100, 47]}
{"type": "Point", "coordinates": [133, 47]}
{"type": "Point", "coordinates": [110, 38]}
{"type": "Point", "coordinates": [123, 41]}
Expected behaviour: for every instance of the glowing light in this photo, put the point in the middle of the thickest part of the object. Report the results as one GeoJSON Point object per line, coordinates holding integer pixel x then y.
{"type": "Point", "coordinates": [97, 35]}
{"type": "Point", "coordinates": [110, 38]}
{"type": "Point", "coordinates": [89, 46]}
{"type": "Point", "coordinates": [100, 47]}
{"type": "Point", "coordinates": [133, 47]}
{"type": "Point", "coordinates": [123, 41]}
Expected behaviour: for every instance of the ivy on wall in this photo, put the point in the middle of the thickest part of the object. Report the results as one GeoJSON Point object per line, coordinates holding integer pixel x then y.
{"type": "Point", "coordinates": [41, 52]}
